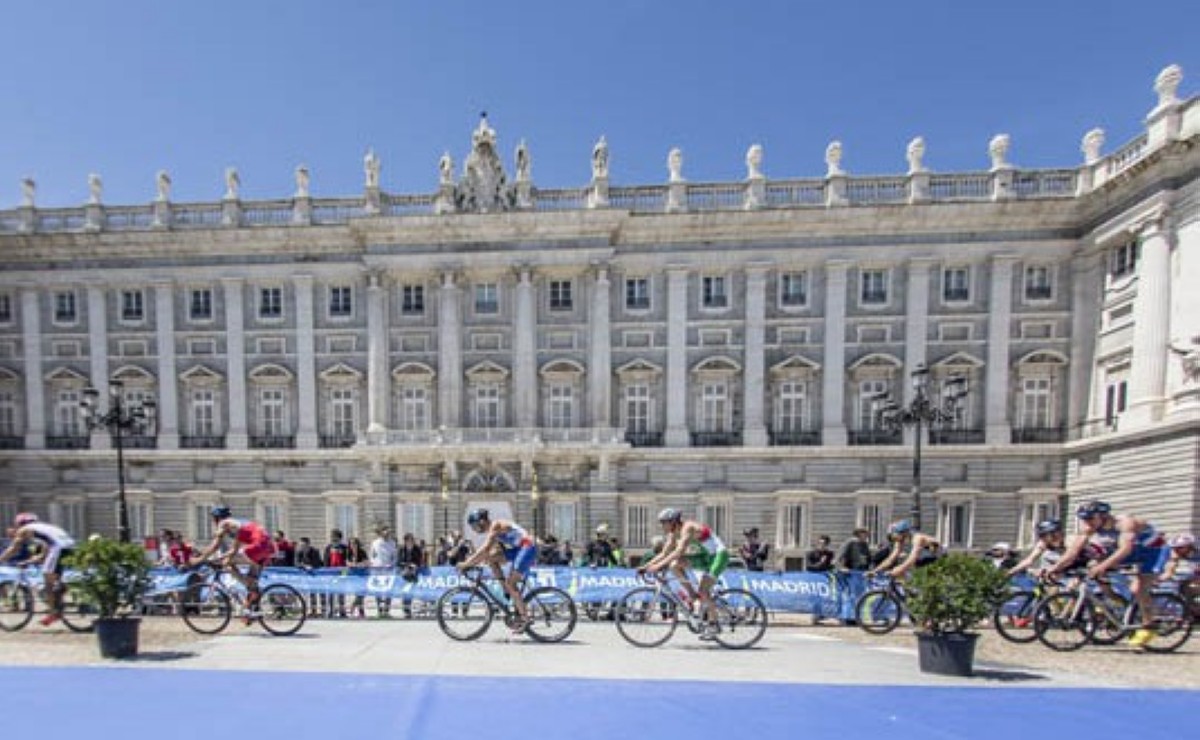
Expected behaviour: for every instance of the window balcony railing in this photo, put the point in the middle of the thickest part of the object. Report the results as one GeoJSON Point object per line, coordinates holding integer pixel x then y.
{"type": "Point", "coordinates": [335, 441]}
{"type": "Point", "coordinates": [1038, 435]}
{"type": "Point", "coordinates": [68, 442]}
{"type": "Point", "coordinates": [956, 294]}
{"type": "Point", "coordinates": [1039, 292]}
{"type": "Point", "coordinates": [271, 442]}
{"type": "Point", "coordinates": [202, 442]}
{"type": "Point", "coordinates": [637, 304]}
{"type": "Point", "coordinates": [875, 437]}
{"type": "Point", "coordinates": [956, 436]}
{"type": "Point", "coordinates": [794, 438]}
{"type": "Point", "coordinates": [874, 297]}
{"type": "Point", "coordinates": [139, 442]}
{"type": "Point", "coordinates": [644, 439]}
{"type": "Point", "coordinates": [12, 442]}
{"type": "Point", "coordinates": [716, 439]}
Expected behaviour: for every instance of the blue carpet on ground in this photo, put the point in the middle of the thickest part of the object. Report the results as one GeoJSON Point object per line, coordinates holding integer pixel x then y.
{"type": "Point", "coordinates": [139, 702]}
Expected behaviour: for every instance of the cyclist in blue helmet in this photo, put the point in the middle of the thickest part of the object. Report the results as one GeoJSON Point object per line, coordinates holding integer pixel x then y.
{"type": "Point", "coordinates": [1121, 539]}
{"type": "Point", "coordinates": [504, 541]}
{"type": "Point", "coordinates": [1047, 552]}
{"type": "Point", "coordinates": [907, 547]}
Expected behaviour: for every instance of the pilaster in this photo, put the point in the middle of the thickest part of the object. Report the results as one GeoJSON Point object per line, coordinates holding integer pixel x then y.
{"type": "Point", "coordinates": [235, 351]}
{"type": "Point", "coordinates": [377, 359]}
{"type": "Point", "coordinates": [600, 346]}
{"type": "Point", "coordinates": [677, 375]}
{"type": "Point", "coordinates": [449, 353]}
{"type": "Point", "coordinates": [98, 356]}
{"type": "Point", "coordinates": [916, 325]}
{"type": "Point", "coordinates": [754, 430]}
{"type": "Point", "coordinates": [35, 386]}
{"type": "Point", "coordinates": [833, 378]}
{"type": "Point", "coordinates": [1151, 325]}
{"type": "Point", "coordinates": [168, 395]}
{"type": "Point", "coordinates": [306, 364]}
{"type": "Point", "coordinates": [999, 430]}
{"type": "Point", "coordinates": [525, 354]}
{"type": "Point", "coordinates": [1085, 318]}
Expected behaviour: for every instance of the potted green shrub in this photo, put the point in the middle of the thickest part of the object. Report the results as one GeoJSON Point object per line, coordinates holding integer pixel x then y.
{"type": "Point", "coordinates": [947, 599]}
{"type": "Point", "coordinates": [111, 577]}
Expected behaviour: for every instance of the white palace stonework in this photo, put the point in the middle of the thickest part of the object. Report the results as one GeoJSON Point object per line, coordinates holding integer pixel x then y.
{"type": "Point", "coordinates": [593, 354]}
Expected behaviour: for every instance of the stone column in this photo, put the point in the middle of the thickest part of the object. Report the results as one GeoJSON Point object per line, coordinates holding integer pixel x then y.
{"type": "Point", "coordinates": [35, 385]}
{"type": "Point", "coordinates": [525, 355]}
{"type": "Point", "coordinates": [754, 430]}
{"type": "Point", "coordinates": [833, 378]}
{"type": "Point", "coordinates": [1086, 287]}
{"type": "Point", "coordinates": [168, 394]}
{"type": "Point", "coordinates": [235, 352]}
{"type": "Point", "coordinates": [1185, 312]}
{"type": "Point", "coordinates": [449, 354]}
{"type": "Point", "coordinates": [306, 364]}
{"type": "Point", "coordinates": [98, 355]}
{"type": "Point", "coordinates": [916, 327]}
{"type": "Point", "coordinates": [600, 345]}
{"type": "Point", "coordinates": [996, 385]}
{"type": "Point", "coordinates": [677, 372]}
{"type": "Point", "coordinates": [378, 380]}
{"type": "Point", "coordinates": [1151, 324]}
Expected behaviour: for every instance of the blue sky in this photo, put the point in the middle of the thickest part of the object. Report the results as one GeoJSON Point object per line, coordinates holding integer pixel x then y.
{"type": "Point", "coordinates": [127, 88]}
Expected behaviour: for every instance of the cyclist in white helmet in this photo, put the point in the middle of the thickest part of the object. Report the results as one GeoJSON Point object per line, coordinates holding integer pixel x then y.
{"type": "Point", "coordinates": [703, 550]}
{"type": "Point", "coordinates": [1183, 567]}
{"type": "Point", "coordinates": [55, 544]}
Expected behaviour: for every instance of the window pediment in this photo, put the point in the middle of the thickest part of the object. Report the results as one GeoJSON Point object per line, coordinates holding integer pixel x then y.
{"type": "Point", "coordinates": [8, 377]}
{"type": "Point", "coordinates": [65, 375]}
{"type": "Point", "coordinates": [795, 367]}
{"type": "Point", "coordinates": [639, 369]}
{"type": "Point", "coordinates": [718, 366]}
{"type": "Point", "coordinates": [201, 375]}
{"type": "Point", "coordinates": [340, 373]}
{"type": "Point", "coordinates": [876, 365]}
{"type": "Point", "coordinates": [133, 375]}
{"type": "Point", "coordinates": [487, 372]}
{"type": "Point", "coordinates": [271, 374]}
{"type": "Point", "coordinates": [413, 372]}
{"type": "Point", "coordinates": [562, 370]}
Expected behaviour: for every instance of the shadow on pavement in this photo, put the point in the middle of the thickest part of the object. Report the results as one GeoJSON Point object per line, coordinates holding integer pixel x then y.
{"type": "Point", "coordinates": [160, 656]}
{"type": "Point", "coordinates": [1003, 676]}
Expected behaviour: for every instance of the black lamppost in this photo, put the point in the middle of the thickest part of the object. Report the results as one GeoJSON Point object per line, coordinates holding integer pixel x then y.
{"type": "Point", "coordinates": [535, 497]}
{"type": "Point", "coordinates": [445, 500]}
{"type": "Point", "coordinates": [118, 419]}
{"type": "Point", "coordinates": [923, 411]}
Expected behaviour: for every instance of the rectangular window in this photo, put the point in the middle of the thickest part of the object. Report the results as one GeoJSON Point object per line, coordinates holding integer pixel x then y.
{"type": "Point", "coordinates": [1037, 411]}
{"type": "Point", "coordinates": [271, 516]}
{"type": "Point", "coordinates": [6, 309]}
{"type": "Point", "coordinates": [345, 518]}
{"type": "Point", "coordinates": [1032, 512]}
{"type": "Point", "coordinates": [955, 523]}
{"type": "Point", "coordinates": [64, 307]}
{"type": "Point", "coordinates": [270, 303]}
{"type": "Point", "coordinates": [1116, 398]}
{"type": "Point", "coordinates": [67, 420]}
{"type": "Point", "coordinates": [341, 301]}
{"type": "Point", "coordinates": [487, 406]}
{"type": "Point", "coordinates": [793, 289]}
{"type": "Point", "coordinates": [868, 392]}
{"type": "Point", "coordinates": [714, 407]}
{"type": "Point", "coordinates": [718, 515]}
{"type": "Point", "coordinates": [637, 294]}
{"type": "Point", "coordinates": [133, 305]}
{"type": "Point", "coordinates": [637, 409]}
{"type": "Point", "coordinates": [271, 406]}
{"type": "Point", "coordinates": [342, 416]}
{"type": "Point", "coordinates": [73, 518]}
{"type": "Point", "coordinates": [203, 522]}
{"type": "Point", "coordinates": [416, 518]}
{"type": "Point", "coordinates": [639, 527]}
{"type": "Point", "coordinates": [956, 284]}
{"type": "Point", "coordinates": [793, 526]}
{"type": "Point", "coordinates": [1123, 260]}
{"type": "Point", "coordinates": [414, 408]}
{"type": "Point", "coordinates": [561, 516]}
{"type": "Point", "coordinates": [560, 295]}
{"type": "Point", "coordinates": [141, 520]}
{"type": "Point", "coordinates": [874, 287]}
{"type": "Point", "coordinates": [487, 298]}
{"type": "Point", "coordinates": [873, 516]}
{"type": "Point", "coordinates": [412, 300]}
{"type": "Point", "coordinates": [790, 406]}
{"type": "Point", "coordinates": [8, 414]}
{"type": "Point", "coordinates": [713, 288]}
{"type": "Point", "coordinates": [200, 306]}
{"type": "Point", "coordinates": [1039, 284]}
{"type": "Point", "coordinates": [204, 408]}
{"type": "Point", "coordinates": [562, 406]}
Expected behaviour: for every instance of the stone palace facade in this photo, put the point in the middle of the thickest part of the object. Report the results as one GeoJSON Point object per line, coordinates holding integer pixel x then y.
{"type": "Point", "coordinates": [594, 354]}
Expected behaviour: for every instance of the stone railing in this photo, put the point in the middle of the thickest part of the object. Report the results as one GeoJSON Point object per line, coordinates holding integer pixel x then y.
{"type": "Point", "coordinates": [502, 436]}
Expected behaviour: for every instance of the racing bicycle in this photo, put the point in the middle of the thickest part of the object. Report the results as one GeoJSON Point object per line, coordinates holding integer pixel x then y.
{"type": "Point", "coordinates": [1093, 612]}
{"type": "Point", "coordinates": [466, 611]}
{"type": "Point", "coordinates": [881, 608]}
{"type": "Point", "coordinates": [22, 588]}
{"type": "Point", "coordinates": [207, 605]}
{"type": "Point", "coordinates": [648, 615]}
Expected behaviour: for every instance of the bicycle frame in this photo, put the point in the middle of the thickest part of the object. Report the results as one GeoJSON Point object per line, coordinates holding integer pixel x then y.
{"type": "Point", "coordinates": [662, 583]}
{"type": "Point", "coordinates": [477, 577]}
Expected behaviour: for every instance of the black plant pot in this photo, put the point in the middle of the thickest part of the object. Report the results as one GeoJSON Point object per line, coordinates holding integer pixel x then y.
{"type": "Point", "coordinates": [118, 637]}
{"type": "Point", "coordinates": [947, 655]}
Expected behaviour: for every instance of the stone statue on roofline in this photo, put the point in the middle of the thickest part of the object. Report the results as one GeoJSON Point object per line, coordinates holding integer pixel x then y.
{"type": "Point", "coordinates": [162, 185]}
{"type": "Point", "coordinates": [1093, 142]}
{"type": "Point", "coordinates": [446, 170]}
{"type": "Point", "coordinates": [754, 158]}
{"type": "Point", "coordinates": [233, 183]}
{"type": "Point", "coordinates": [600, 159]}
{"type": "Point", "coordinates": [95, 189]}
{"type": "Point", "coordinates": [523, 163]}
{"type": "Point", "coordinates": [28, 191]}
{"type": "Point", "coordinates": [371, 169]}
{"type": "Point", "coordinates": [302, 182]}
{"type": "Point", "coordinates": [998, 150]}
{"type": "Point", "coordinates": [484, 185]}
{"type": "Point", "coordinates": [675, 165]}
{"type": "Point", "coordinates": [833, 159]}
{"type": "Point", "coordinates": [1167, 85]}
{"type": "Point", "coordinates": [915, 154]}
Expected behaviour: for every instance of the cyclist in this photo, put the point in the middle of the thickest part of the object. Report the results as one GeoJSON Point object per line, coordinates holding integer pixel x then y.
{"type": "Point", "coordinates": [1047, 553]}
{"type": "Point", "coordinates": [55, 545]}
{"type": "Point", "coordinates": [1183, 567]}
{"type": "Point", "coordinates": [504, 541]}
{"type": "Point", "coordinates": [915, 548]}
{"type": "Point", "coordinates": [1120, 540]}
{"type": "Point", "coordinates": [251, 546]}
{"type": "Point", "coordinates": [703, 550]}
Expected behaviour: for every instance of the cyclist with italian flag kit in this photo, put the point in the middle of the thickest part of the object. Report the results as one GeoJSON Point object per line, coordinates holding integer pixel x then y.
{"type": "Point", "coordinates": [703, 550]}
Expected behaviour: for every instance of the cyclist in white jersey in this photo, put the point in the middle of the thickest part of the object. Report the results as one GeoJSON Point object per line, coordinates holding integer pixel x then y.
{"type": "Point", "coordinates": [55, 545]}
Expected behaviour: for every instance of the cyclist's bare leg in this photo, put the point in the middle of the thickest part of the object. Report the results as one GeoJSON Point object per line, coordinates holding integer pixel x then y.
{"type": "Point", "coordinates": [53, 592]}
{"type": "Point", "coordinates": [249, 579]}
{"type": "Point", "coordinates": [706, 600]}
{"type": "Point", "coordinates": [1141, 587]}
{"type": "Point", "coordinates": [681, 575]}
{"type": "Point", "coordinates": [511, 585]}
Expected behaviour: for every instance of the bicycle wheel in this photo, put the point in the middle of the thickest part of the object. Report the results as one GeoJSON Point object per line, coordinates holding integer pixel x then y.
{"type": "Point", "coordinates": [16, 605]}
{"type": "Point", "coordinates": [552, 614]}
{"type": "Point", "coordinates": [741, 617]}
{"type": "Point", "coordinates": [463, 613]}
{"type": "Point", "coordinates": [205, 608]}
{"type": "Point", "coordinates": [77, 614]}
{"type": "Point", "coordinates": [1172, 623]}
{"type": "Point", "coordinates": [1014, 618]}
{"type": "Point", "coordinates": [1057, 625]}
{"type": "Point", "coordinates": [878, 611]}
{"type": "Point", "coordinates": [1110, 623]}
{"type": "Point", "coordinates": [646, 617]}
{"type": "Point", "coordinates": [282, 609]}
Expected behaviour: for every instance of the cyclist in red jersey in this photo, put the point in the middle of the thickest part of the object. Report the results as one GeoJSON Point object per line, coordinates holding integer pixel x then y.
{"type": "Point", "coordinates": [251, 545]}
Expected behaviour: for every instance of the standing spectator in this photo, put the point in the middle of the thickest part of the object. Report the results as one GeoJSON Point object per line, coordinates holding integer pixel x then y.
{"type": "Point", "coordinates": [618, 553]}
{"type": "Point", "coordinates": [458, 549]}
{"type": "Point", "coordinates": [753, 552]}
{"type": "Point", "coordinates": [599, 551]}
{"type": "Point", "coordinates": [335, 557]}
{"type": "Point", "coordinates": [179, 552]}
{"type": "Point", "coordinates": [1002, 556]}
{"type": "Point", "coordinates": [855, 553]}
{"type": "Point", "coordinates": [820, 558]}
{"type": "Point", "coordinates": [309, 558]}
{"type": "Point", "coordinates": [356, 558]}
{"type": "Point", "coordinates": [411, 559]}
{"type": "Point", "coordinates": [384, 553]}
{"type": "Point", "coordinates": [285, 551]}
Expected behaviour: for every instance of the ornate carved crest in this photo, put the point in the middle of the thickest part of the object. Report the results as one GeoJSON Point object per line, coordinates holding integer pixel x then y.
{"type": "Point", "coordinates": [484, 185]}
